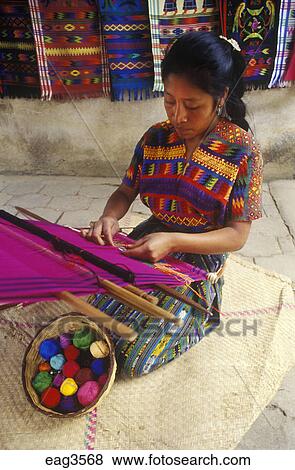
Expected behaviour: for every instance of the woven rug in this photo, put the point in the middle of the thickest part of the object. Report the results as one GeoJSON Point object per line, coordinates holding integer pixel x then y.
{"type": "Point", "coordinates": [70, 49]}
{"type": "Point", "coordinates": [128, 44]}
{"type": "Point", "coordinates": [206, 399]}
{"type": "Point", "coordinates": [19, 75]}
{"type": "Point", "coordinates": [254, 25]}
{"type": "Point", "coordinates": [284, 43]}
{"type": "Point", "coordinates": [171, 19]}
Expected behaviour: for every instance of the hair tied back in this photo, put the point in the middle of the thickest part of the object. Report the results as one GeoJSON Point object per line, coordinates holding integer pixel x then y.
{"type": "Point", "coordinates": [232, 42]}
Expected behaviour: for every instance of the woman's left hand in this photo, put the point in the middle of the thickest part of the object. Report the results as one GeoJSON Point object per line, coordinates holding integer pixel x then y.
{"type": "Point", "coordinates": [152, 247]}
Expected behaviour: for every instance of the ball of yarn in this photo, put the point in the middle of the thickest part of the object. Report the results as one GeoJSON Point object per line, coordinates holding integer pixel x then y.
{"type": "Point", "coordinates": [68, 387]}
{"type": "Point", "coordinates": [71, 352]}
{"type": "Point", "coordinates": [99, 349]}
{"type": "Point", "coordinates": [84, 375]}
{"type": "Point", "coordinates": [98, 366]}
{"type": "Point", "coordinates": [44, 367]}
{"type": "Point", "coordinates": [68, 404]}
{"type": "Point", "coordinates": [57, 361]}
{"type": "Point", "coordinates": [88, 392]}
{"type": "Point", "coordinates": [83, 338]}
{"type": "Point", "coordinates": [70, 368]}
{"type": "Point", "coordinates": [65, 340]}
{"type": "Point", "coordinates": [48, 348]}
{"type": "Point", "coordinates": [50, 397]}
{"type": "Point", "coordinates": [85, 359]}
{"type": "Point", "coordinates": [41, 381]}
{"type": "Point", "coordinates": [102, 379]}
{"type": "Point", "coordinates": [58, 380]}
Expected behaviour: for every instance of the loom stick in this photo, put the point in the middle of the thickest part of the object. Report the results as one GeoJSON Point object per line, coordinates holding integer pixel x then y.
{"type": "Point", "coordinates": [119, 328]}
{"type": "Point", "coordinates": [179, 296]}
{"type": "Point", "coordinates": [59, 243]}
{"type": "Point", "coordinates": [133, 300]}
{"type": "Point", "coordinates": [141, 293]}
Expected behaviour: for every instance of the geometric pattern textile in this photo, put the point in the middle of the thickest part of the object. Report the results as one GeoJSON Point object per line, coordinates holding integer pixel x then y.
{"type": "Point", "coordinates": [127, 35]}
{"type": "Point", "coordinates": [254, 24]}
{"type": "Point", "coordinates": [19, 75]}
{"type": "Point", "coordinates": [285, 43]}
{"type": "Point", "coordinates": [70, 49]}
{"type": "Point", "coordinates": [171, 19]}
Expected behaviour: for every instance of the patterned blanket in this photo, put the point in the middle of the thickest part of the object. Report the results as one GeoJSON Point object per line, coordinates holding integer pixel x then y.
{"type": "Point", "coordinates": [171, 19]}
{"type": "Point", "coordinates": [19, 75]}
{"type": "Point", "coordinates": [70, 48]}
{"type": "Point", "coordinates": [254, 24]}
{"type": "Point", "coordinates": [128, 43]}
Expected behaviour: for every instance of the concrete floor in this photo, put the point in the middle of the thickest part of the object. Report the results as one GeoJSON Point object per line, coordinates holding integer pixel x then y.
{"type": "Point", "coordinates": [77, 200]}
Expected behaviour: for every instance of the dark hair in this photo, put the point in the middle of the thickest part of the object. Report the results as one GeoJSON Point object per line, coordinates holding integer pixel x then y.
{"type": "Point", "coordinates": [212, 64]}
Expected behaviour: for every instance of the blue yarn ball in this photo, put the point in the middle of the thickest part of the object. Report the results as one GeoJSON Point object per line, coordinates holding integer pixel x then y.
{"type": "Point", "coordinates": [68, 404]}
{"type": "Point", "coordinates": [49, 348]}
{"type": "Point", "coordinates": [98, 366]}
{"type": "Point", "coordinates": [57, 361]}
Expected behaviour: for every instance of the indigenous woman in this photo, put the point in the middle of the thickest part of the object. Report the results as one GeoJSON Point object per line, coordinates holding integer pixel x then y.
{"type": "Point", "coordinates": [199, 173]}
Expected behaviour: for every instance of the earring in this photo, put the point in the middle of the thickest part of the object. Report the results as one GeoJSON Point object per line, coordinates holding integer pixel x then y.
{"type": "Point", "coordinates": [219, 110]}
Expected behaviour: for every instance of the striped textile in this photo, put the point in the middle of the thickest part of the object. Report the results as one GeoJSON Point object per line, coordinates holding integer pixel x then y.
{"type": "Point", "coordinates": [19, 75]}
{"type": "Point", "coordinates": [70, 49]}
{"type": "Point", "coordinates": [127, 36]}
{"type": "Point", "coordinates": [290, 74]}
{"type": "Point", "coordinates": [169, 20]}
{"type": "Point", "coordinates": [160, 342]}
{"type": "Point", "coordinates": [284, 43]}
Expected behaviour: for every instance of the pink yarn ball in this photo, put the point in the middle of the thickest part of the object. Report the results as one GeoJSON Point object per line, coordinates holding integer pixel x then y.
{"type": "Point", "coordinates": [88, 392]}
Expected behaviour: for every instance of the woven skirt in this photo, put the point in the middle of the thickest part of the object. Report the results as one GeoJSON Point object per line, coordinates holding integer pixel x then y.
{"type": "Point", "coordinates": [159, 341]}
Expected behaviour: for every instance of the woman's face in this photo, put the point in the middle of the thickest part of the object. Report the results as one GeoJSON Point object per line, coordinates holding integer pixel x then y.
{"type": "Point", "coordinates": [190, 110]}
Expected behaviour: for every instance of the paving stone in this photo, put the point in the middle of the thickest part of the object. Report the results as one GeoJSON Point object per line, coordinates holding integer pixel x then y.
{"type": "Point", "coordinates": [79, 218]}
{"type": "Point", "coordinates": [11, 209]}
{"type": "Point", "coordinates": [287, 244]}
{"type": "Point", "coordinates": [272, 226]}
{"type": "Point", "coordinates": [24, 187]}
{"type": "Point", "coordinates": [282, 184]}
{"type": "Point", "coordinates": [97, 190]}
{"type": "Point", "coordinates": [284, 194]}
{"type": "Point", "coordinates": [283, 264]}
{"type": "Point", "coordinates": [61, 188]}
{"type": "Point", "coordinates": [3, 185]}
{"type": "Point", "coordinates": [66, 203]}
{"type": "Point", "coordinates": [98, 205]}
{"type": "Point", "coordinates": [45, 212]}
{"type": "Point", "coordinates": [30, 201]}
{"type": "Point", "coordinates": [260, 245]}
{"type": "Point", "coordinates": [4, 198]}
{"type": "Point", "coordinates": [285, 397]}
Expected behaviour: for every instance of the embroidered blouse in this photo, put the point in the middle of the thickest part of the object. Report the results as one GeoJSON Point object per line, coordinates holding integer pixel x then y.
{"type": "Point", "coordinates": [221, 182]}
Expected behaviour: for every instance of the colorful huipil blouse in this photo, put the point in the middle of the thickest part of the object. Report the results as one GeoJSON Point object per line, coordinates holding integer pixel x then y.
{"type": "Point", "coordinates": [221, 182]}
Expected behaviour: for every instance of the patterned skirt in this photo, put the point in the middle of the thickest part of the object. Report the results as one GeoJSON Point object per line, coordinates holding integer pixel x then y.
{"type": "Point", "coordinates": [158, 341]}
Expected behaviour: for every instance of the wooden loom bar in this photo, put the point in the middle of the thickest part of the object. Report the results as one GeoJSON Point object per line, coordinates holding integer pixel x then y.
{"type": "Point", "coordinates": [179, 296]}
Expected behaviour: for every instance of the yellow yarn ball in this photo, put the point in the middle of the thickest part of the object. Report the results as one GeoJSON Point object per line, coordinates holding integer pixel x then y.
{"type": "Point", "coordinates": [99, 349]}
{"type": "Point", "coordinates": [68, 387]}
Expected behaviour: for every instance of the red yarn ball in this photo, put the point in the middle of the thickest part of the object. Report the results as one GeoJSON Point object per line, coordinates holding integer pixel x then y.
{"type": "Point", "coordinates": [84, 375]}
{"type": "Point", "coordinates": [50, 397]}
{"type": "Point", "coordinates": [102, 379]}
{"type": "Point", "coordinates": [70, 369]}
{"type": "Point", "coordinates": [71, 352]}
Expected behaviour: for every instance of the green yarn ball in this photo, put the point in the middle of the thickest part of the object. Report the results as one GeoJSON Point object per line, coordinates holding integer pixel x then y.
{"type": "Point", "coordinates": [42, 381]}
{"type": "Point", "coordinates": [83, 338]}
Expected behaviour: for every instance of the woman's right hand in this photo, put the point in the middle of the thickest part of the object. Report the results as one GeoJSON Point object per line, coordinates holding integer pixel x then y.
{"type": "Point", "coordinates": [102, 230]}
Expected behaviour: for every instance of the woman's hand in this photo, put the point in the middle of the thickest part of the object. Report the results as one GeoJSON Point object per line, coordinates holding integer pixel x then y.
{"type": "Point", "coordinates": [152, 247]}
{"type": "Point", "coordinates": [102, 231]}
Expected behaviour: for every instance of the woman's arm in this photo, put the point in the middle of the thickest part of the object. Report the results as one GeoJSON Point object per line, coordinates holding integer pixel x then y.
{"type": "Point", "coordinates": [106, 226]}
{"type": "Point", "coordinates": [155, 246]}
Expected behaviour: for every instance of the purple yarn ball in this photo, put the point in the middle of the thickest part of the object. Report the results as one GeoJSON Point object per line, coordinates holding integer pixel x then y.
{"type": "Point", "coordinates": [68, 404]}
{"type": "Point", "coordinates": [65, 340]}
{"type": "Point", "coordinates": [58, 380]}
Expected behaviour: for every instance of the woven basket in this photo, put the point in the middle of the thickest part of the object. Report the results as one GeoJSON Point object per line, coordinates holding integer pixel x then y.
{"type": "Point", "coordinates": [68, 323]}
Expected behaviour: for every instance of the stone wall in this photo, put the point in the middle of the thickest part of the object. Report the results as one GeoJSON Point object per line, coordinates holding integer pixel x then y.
{"type": "Point", "coordinates": [96, 137]}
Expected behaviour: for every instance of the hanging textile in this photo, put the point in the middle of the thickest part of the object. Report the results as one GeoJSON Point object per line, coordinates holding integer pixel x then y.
{"type": "Point", "coordinates": [70, 51]}
{"type": "Point", "coordinates": [284, 45]}
{"type": "Point", "coordinates": [19, 75]}
{"type": "Point", "coordinates": [171, 19]}
{"type": "Point", "coordinates": [254, 24]}
{"type": "Point", "coordinates": [128, 43]}
{"type": "Point", "coordinates": [290, 74]}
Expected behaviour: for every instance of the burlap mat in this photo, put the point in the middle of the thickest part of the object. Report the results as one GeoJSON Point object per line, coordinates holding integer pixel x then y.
{"type": "Point", "coordinates": [206, 399]}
